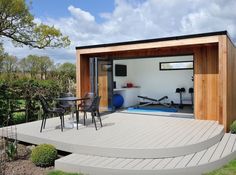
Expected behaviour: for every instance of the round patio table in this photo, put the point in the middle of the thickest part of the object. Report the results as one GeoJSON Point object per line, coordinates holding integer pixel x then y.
{"type": "Point", "coordinates": [71, 123]}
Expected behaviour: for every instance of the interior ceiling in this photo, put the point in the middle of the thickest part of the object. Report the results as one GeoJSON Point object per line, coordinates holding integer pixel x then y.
{"type": "Point", "coordinates": [141, 53]}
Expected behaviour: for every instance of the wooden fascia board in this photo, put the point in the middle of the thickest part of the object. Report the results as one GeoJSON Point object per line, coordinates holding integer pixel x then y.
{"type": "Point", "coordinates": [151, 45]}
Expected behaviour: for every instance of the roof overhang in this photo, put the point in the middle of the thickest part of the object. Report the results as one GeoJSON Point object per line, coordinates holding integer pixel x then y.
{"type": "Point", "coordinates": [185, 40]}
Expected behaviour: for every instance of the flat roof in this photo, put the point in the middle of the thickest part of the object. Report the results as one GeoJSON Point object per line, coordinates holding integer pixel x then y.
{"type": "Point", "coordinates": [155, 40]}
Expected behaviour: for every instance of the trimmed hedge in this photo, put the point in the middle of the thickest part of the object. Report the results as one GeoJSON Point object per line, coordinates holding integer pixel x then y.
{"type": "Point", "coordinates": [44, 155]}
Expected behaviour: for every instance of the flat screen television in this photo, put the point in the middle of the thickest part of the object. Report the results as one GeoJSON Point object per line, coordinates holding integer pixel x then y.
{"type": "Point", "coordinates": [120, 70]}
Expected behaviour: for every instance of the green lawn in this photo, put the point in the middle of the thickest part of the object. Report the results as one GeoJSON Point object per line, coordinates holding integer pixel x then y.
{"type": "Point", "coordinates": [229, 169]}
{"type": "Point", "coordinates": [62, 173]}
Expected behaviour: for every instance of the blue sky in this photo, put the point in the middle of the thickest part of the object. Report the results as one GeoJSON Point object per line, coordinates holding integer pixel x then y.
{"type": "Point", "coordinates": [58, 8]}
{"type": "Point", "coordinates": [106, 21]}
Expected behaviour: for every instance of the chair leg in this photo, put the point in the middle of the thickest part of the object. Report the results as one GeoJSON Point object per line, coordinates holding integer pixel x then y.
{"type": "Point", "coordinates": [77, 119]}
{"type": "Point", "coordinates": [42, 124]}
{"type": "Point", "coordinates": [77, 114]}
{"type": "Point", "coordinates": [85, 114]}
{"type": "Point", "coordinates": [93, 119]}
{"type": "Point", "coordinates": [61, 117]}
{"type": "Point", "coordinates": [45, 122]}
{"type": "Point", "coordinates": [99, 116]}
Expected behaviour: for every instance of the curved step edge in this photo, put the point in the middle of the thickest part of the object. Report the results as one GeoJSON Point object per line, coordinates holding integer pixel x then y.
{"type": "Point", "coordinates": [126, 152]}
{"type": "Point", "coordinates": [194, 170]}
{"type": "Point", "coordinates": [146, 153]}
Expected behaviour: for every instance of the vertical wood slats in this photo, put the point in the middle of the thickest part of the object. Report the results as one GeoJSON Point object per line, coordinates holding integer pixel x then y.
{"type": "Point", "coordinates": [231, 83]}
{"type": "Point", "coordinates": [206, 83]}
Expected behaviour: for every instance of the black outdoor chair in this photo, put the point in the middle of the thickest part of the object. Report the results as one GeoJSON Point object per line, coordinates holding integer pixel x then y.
{"type": "Point", "coordinates": [85, 102]}
{"type": "Point", "coordinates": [48, 111]}
{"type": "Point", "coordinates": [93, 109]}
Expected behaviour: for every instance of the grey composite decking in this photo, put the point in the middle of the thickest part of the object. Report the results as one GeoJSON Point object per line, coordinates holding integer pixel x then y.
{"type": "Point", "coordinates": [195, 163]}
{"type": "Point", "coordinates": [136, 144]}
{"type": "Point", "coordinates": [128, 136]}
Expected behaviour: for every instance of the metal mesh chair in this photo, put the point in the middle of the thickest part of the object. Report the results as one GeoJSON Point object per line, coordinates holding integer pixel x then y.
{"type": "Point", "coordinates": [93, 109]}
{"type": "Point", "coordinates": [85, 102]}
{"type": "Point", "coordinates": [50, 111]}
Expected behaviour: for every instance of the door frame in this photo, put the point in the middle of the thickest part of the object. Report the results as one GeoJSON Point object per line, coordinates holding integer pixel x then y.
{"type": "Point", "coordinates": [94, 79]}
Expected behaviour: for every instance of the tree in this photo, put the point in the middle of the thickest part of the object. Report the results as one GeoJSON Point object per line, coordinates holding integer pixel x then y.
{"type": "Point", "coordinates": [2, 56]}
{"type": "Point", "coordinates": [23, 66]}
{"type": "Point", "coordinates": [9, 64]}
{"type": "Point", "coordinates": [45, 63]}
{"type": "Point", "coordinates": [68, 70]}
{"type": "Point", "coordinates": [32, 65]}
{"type": "Point", "coordinates": [17, 23]}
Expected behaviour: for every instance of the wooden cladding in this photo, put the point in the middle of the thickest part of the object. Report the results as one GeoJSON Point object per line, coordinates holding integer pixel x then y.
{"type": "Point", "coordinates": [231, 83]}
{"type": "Point", "coordinates": [82, 75]}
{"type": "Point", "coordinates": [214, 71]}
{"type": "Point", "coordinates": [206, 79]}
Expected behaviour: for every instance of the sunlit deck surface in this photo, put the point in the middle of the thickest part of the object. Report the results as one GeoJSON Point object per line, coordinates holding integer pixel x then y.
{"type": "Point", "coordinates": [130, 137]}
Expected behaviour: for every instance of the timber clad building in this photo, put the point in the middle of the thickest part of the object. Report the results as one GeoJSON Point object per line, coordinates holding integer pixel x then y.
{"type": "Point", "coordinates": [214, 70]}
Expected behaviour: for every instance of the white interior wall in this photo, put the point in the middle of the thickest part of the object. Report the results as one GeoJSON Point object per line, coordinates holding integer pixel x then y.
{"type": "Point", "coordinates": [153, 82]}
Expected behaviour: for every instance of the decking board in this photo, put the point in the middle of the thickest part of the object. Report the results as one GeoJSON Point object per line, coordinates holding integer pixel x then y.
{"type": "Point", "coordinates": [127, 136]}
{"type": "Point", "coordinates": [195, 163]}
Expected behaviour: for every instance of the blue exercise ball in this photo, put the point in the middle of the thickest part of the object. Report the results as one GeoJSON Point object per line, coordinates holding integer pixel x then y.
{"type": "Point", "coordinates": [117, 100]}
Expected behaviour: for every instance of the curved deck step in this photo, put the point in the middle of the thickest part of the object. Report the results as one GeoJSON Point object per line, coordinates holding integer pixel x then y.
{"type": "Point", "coordinates": [129, 136]}
{"type": "Point", "coordinates": [195, 163]}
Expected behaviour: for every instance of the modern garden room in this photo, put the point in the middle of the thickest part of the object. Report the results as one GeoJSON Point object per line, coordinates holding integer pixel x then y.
{"type": "Point", "coordinates": [214, 67]}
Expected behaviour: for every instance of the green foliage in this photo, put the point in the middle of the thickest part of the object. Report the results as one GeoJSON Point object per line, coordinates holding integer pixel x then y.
{"type": "Point", "coordinates": [44, 155]}
{"type": "Point", "coordinates": [21, 94]}
{"type": "Point", "coordinates": [19, 117]}
{"type": "Point", "coordinates": [2, 56]}
{"type": "Point", "coordinates": [62, 173]}
{"type": "Point", "coordinates": [45, 64]}
{"type": "Point", "coordinates": [229, 169]}
{"type": "Point", "coordinates": [36, 65]}
{"type": "Point", "coordinates": [17, 23]}
{"type": "Point", "coordinates": [11, 150]}
{"type": "Point", "coordinates": [67, 74]}
{"type": "Point", "coordinates": [9, 64]}
{"type": "Point", "coordinates": [67, 70]}
{"type": "Point", "coordinates": [233, 127]}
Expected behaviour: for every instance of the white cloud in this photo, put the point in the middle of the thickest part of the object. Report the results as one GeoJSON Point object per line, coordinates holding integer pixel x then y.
{"type": "Point", "coordinates": [80, 14]}
{"type": "Point", "coordinates": [139, 19]}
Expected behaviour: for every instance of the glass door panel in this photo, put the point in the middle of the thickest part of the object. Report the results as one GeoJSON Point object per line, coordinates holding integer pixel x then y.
{"type": "Point", "coordinates": [102, 81]}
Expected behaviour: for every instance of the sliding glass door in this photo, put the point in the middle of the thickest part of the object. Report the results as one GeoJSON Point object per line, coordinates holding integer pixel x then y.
{"type": "Point", "coordinates": [101, 74]}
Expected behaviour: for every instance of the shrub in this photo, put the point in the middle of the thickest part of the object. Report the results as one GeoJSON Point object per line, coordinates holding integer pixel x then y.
{"type": "Point", "coordinates": [11, 150]}
{"type": "Point", "coordinates": [233, 127]}
{"type": "Point", "coordinates": [44, 155]}
{"type": "Point", "coordinates": [19, 117]}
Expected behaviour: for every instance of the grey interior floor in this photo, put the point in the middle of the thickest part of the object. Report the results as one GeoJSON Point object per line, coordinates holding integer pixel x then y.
{"type": "Point", "coordinates": [186, 108]}
{"type": "Point", "coordinates": [186, 112]}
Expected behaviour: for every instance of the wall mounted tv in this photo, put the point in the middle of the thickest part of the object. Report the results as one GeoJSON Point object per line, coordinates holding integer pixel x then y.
{"type": "Point", "coordinates": [120, 70]}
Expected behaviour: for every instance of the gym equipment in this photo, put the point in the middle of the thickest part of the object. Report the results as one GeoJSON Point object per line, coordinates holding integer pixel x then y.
{"type": "Point", "coordinates": [146, 109]}
{"type": "Point", "coordinates": [152, 101]}
{"type": "Point", "coordinates": [190, 90]}
{"type": "Point", "coordinates": [180, 91]}
{"type": "Point", "coordinates": [117, 100]}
